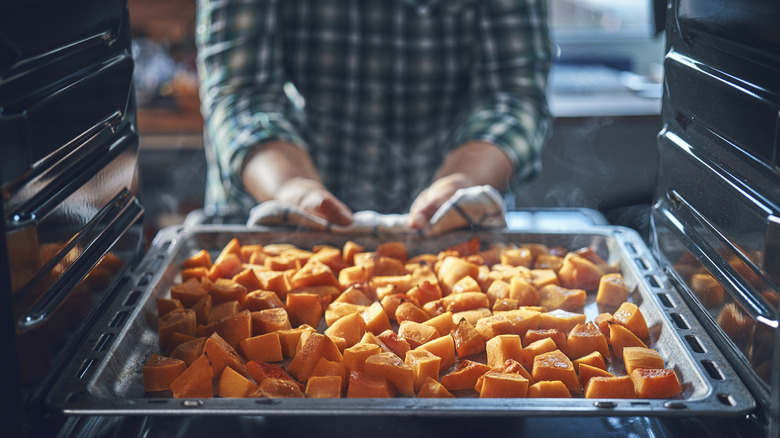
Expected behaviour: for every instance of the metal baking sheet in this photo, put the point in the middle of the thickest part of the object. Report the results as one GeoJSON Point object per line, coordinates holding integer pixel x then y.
{"type": "Point", "coordinates": [104, 378]}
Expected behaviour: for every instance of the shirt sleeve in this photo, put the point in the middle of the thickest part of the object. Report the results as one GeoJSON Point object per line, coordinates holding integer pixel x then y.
{"type": "Point", "coordinates": [508, 105]}
{"type": "Point", "coordinates": [242, 83]}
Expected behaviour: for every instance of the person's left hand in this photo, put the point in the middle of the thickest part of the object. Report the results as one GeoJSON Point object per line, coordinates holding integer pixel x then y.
{"type": "Point", "coordinates": [429, 200]}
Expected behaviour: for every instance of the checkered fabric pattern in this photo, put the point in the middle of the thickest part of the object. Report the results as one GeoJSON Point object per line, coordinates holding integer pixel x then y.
{"type": "Point", "coordinates": [377, 91]}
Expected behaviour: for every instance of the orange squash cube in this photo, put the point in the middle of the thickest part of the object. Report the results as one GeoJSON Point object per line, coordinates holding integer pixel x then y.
{"type": "Point", "coordinates": [577, 272]}
{"type": "Point", "coordinates": [465, 284]}
{"type": "Point", "coordinates": [594, 359]}
{"type": "Point", "coordinates": [610, 387]}
{"type": "Point", "coordinates": [289, 339]}
{"type": "Point", "coordinates": [327, 367]}
{"type": "Point", "coordinates": [165, 305]}
{"type": "Point", "coordinates": [316, 346]}
{"type": "Point", "coordinates": [502, 385]}
{"type": "Point", "coordinates": [195, 381]}
{"type": "Point", "coordinates": [444, 348]}
{"type": "Point", "coordinates": [313, 273]}
{"type": "Point", "coordinates": [408, 311]}
{"type": "Point", "coordinates": [459, 302]}
{"type": "Point", "coordinates": [629, 316]}
{"type": "Point", "coordinates": [351, 328]}
{"type": "Point", "coordinates": [424, 291]}
{"type": "Point", "coordinates": [356, 355]}
{"type": "Point", "coordinates": [159, 371]}
{"type": "Point", "coordinates": [557, 336]}
{"type": "Point", "coordinates": [503, 347]}
{"type": "Point", "coordinates": [522, 320]}
{"type": "Point", "coordinates": [442, 323]}
{"type": "Point", "coordinates": [494, 325]}
{"type": "Point", "coordinates": [248, 280]}
{"type": "Point", "coordinates": [176, 321]}
{"type": "Point", "coordinates": [395, 343]}
{"type": "Point", "coordinates": [275, 281]}
{"type": "Point", "coordinates": [468, 341]}
{"type": "Point", "coordinates": [272, 387]}
{"type": "Point", "coordinates": [304, 308]}
{"type": "Point", "coordinates": [225, 309]}
{"type": "Point", "coordinates": [548, 389]}
{"type": "Point", "coordinates": [431, 388]}
{"type": "Point", "coordinates": [639, 357]}
{"type": "Point", "coordinates": [392, 368]}
{"type": "Point", "coordinates": [235, 328]}
{"type": "Point", "coordinates": [540, 278]}
{"type": "Point", "coordinates": [424, 364]}
{"type": "Point", "coordinates": [202, 309]}
{"type": "Point", "coordinates": [584, 339]}
{"type": "Point", "coordinates": [233, 385]}
{"type": "Point", "coordinates": [523, 291]}
{"type": "Point", "coordinates": [530, 351]}
{"type": "Point", "coordinates": [189, 292]}
{"type": "Point", "coordinates": [586, 372]}
{"type": "Point", "coordinates": [464, 376]}
{"type": "Point", "coordinates": [189, 351]}
{"type": "Point", "coordinates": [324, 387]}
{"type": "Point", "coordinates": [221, 355]}
{"type": "Point", "coordinates": [556, 366]}
{"type": "Point", "coordinates": [362, 385]}
{"type": "Point", "coordinates": [621, 337]}
{"type": "Point", "coordinates": [200, 259]}
{"type": "Point", "coordinates": [451, 269]}
{"type": "Point", "coordinates": [655, 383]}
{"type": "Point", "coordinates": [262, 348]}
{"type": "Point", "coordinates": [561, 320]}
{"type": "Point", "coordinates": [376, 318]}
{"type": "Point", "coordinates": [416, 334]}
{"type": "Point", "coordinates": [612, 290]}
{"type": "Point", "coordinates": [553, 297]}
{"type": "Point", "coordinates": [261, 300]}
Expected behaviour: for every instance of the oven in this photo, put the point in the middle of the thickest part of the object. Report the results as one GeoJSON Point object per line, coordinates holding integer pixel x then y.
{"type": "Point", "coordinates": [80, 282]}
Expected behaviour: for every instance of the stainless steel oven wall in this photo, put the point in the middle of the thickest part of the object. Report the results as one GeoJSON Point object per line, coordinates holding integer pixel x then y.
{"type": "Point", "coordinates": [71, 213]}
{"type": "Point", "coordinates": [716, 213]}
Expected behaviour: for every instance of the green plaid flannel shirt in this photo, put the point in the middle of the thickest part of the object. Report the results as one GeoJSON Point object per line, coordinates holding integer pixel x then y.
{"type": "Point", "coordinates": [377, 91]}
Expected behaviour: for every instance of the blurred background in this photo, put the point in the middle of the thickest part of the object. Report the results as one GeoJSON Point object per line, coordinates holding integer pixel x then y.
{"type": "Point", "coordinates": [604, 91]}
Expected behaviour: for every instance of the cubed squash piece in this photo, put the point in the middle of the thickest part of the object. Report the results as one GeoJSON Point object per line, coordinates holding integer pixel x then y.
{"type": "Point", "coordinates": [542, 277]}
{"type": "Point", "coordinates": [202, 258]}
{"type": "Point", "coordinates": [165, 305]}
{"type": "Point", "coordinates": [494, 325]}
{"type": "Point", "coordinates": [443, 323]}
{"type": "Point", "coordinates": [289, 339]}
{"type": "Point", "coordinates": [503, 347]}
{"type": "Point", "coordinates": [231, 384]}
{"type": "Point", "coordinates": [316, 346]}
{"type": "Point", "coordinates": [224, 289]}
{"type": "Point", "coordinates": [261, 300]}
{"type": "Point", "coordinates": [416, 333]}
{"type": "Point", "coordinates": [304, 308]}
{"type": "Point", "coordinates": [557, 336]}
{"type": "Point", "coordinates": [610, 387]}
{"type": "Point", "coordinates": [548, 389]}
{"type": "Point", "coordinates": [655, 383]}
{"type": "Point", "coordinates": [556, 366]}
{"type": "Point", "coordinates": [159, 371]}
{"type": "Point", "coordinates": [424, 291]}
{"type": "Point", "coordinates": [273, 387]}
{"type": "Point", "coordinates": [612, 290]}
{"type": "Point", "coordinates": [431, 388]}
{"type": "Point", "coordinates": [451, 269]}
{"type": "Point", "coordinates": [327, 367]}
{"type": "Point", "coordinates": [584, 339]}
{"type": "Point", "coordinates": [235, 328]}
{"type": "Point", "coordinates": [503, 385]}
{"type": "Point", "coordinates": [195, 381]}
{"type": "Point", "coordinates": [362, 385]}
{"type": "Point", "coordinates": [188, 292]}
{"type": "Point", "coordinates": [444, 348]}
{"type": "Point", "coordinates": [561, 320]}
{"type": "Point", "coordinates": [639, 357]}
{"type": "Point", "coordinates": [356, 355]}
{"type": "Point", "coordinates": [189, 351]}
{"type": "Point", "coordinates": [248, 279]}
{"type": "Point", "coordinates": [553, 297]}
{"type": "Point", "coordinates": [523, 291]}
{"type": "Point", "coordinates": [424, 364]}
{"type": "Point", "coordinates": [221, 354]}
{"type": "Point", "coordinates": [392, 368]}
{"type": "Point", "coordinates": [594, 359]}
{"type": "Point", "coordinates": [324, 387]}
{"type": "Point", "coordinates": [629, 316]}
{"type": "Point", "coordinates": [376, 318]}
{"type": "Point", "coordinates": [409, 311]}
{"type": "Point", "coordinates": [459, 302]}
{"type": "Point", "coordinates": [180, 320]}
{"type": "Point", "coordinates": [260, 371]}
{"type": "Point", "coordinates": [395, 343]}
{"type": "Point", "coordinates": [579, 273]}
{"type": "Point", "coordinates": [351, 328]}
{"type": "Point", "coordinates": [468, 341]}
{"type": "Point", "coordinates": [522, 320]}
{"type": "Point", "coordinates": [586, 372]}
{"type": "Point", "coordinates": [464, 376]}
{"type": "Point", "coordinates": [621, 337]}
{"type": "Point", "coordinates": [262, 348]}
{"type": "Point", "coordinates": [530, 351]}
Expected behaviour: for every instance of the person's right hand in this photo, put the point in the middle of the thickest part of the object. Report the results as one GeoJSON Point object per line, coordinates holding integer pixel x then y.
{"type": "Point", "coordinates": [312, 197]}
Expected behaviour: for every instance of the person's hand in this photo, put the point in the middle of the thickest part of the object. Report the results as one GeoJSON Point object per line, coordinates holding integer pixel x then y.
{"type": "Point", "coordinates": [425, 205]}
{"type": "Point", "coordinates": [311, 196]}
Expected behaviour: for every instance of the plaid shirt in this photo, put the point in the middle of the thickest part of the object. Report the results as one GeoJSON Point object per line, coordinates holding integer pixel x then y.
{"type": "Point", "coordinates": [377, 92]}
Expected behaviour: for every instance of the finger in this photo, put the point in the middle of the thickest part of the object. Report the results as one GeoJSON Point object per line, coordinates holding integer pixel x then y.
{"type": "Point", "coordinates": [334, 211]}
{"type": "Point", "coordinates": [421, 212]}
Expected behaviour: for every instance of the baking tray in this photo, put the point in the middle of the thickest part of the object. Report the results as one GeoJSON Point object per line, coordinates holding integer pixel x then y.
{"type": "Point", "coordinates": [104, 377]}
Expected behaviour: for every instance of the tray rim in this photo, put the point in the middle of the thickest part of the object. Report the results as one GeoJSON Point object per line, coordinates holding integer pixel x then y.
{"type": "Point", "coordinates": [71, 395]}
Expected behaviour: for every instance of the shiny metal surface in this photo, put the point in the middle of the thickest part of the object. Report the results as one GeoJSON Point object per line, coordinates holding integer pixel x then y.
{"type": "Point", "coordinates": [715, 225]}
{"type": "Point", "coordinates": [105, 376]}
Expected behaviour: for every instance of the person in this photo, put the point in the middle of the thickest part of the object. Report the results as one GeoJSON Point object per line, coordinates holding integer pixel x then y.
{"type": "Point", "coordinates": [335, 106]}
